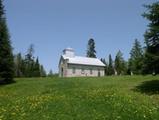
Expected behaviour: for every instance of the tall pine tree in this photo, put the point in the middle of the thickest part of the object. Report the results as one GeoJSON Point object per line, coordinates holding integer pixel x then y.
{"type": "Point", "coordinates": [120, 66]}
{"type": "Point", "coordinates": [36, 69]}
{"type": "Point", "coordinates": [110, 66]}
{"type": "Point", "coordinates": [6, 55]}
{"type": "Point", "coordinates": [136, 58]}
{"type": "Point", "coordinates": [151, 61]}
{"type": "Point", "coordinates": [29, 62]}
{"type": "Point", "coordinates": [91, 52]}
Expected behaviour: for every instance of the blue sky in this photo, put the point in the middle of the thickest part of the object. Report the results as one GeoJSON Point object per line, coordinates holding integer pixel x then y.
{"type": "Point", "coordinates": [52, 25]}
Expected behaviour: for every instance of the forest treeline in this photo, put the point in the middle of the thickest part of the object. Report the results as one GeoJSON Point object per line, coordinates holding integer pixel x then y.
{"type": "Point", "coordinates": [28, 65]}
{"type": "Point", "coordinates": [119, 66]}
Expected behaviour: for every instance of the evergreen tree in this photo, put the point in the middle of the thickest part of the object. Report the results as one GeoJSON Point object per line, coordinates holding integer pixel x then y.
{"type": "Point", "coordinates": [110, 66]}
{"type": "Point", "coordinates": [42, 71]}
{"type": "Point", "coordinates": [103, 60]}
{"type": "Point", "coordinates": [120, 65]}
{"type": "Point", "coordinates": [27, 66]}
{"type": "Point", "coordinates": [136, 58]}
{"type": "Point", "coordinates": [151, 61]}
{"type": "Point", "coordinates": [36, 69]}
{"type": "Point", "coordinates": [22, 68]}
{"type": "Point", "coordinates": [91, 52]}
{"type": "Point", "coordinates": [29, 62]}
{"type": "Point", "coordinates": [6, 56]}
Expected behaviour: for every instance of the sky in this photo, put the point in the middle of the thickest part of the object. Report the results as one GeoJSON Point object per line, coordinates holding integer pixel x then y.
{"type": "Point", "coordinates": [53, 25]}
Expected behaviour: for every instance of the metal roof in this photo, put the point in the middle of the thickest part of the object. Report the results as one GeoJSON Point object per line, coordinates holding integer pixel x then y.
{"type": "Point", "coordinates": [84, 60]}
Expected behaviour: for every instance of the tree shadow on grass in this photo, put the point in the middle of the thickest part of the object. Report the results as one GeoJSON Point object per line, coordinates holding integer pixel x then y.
{"type": "Point", "coordinates": [148, 87]}
{"type": "Point", "coordinates": [2, 82]}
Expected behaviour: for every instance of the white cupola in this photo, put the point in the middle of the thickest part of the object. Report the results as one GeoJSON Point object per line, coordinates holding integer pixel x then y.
{"type": "Point", "coordinates": [69, 52]}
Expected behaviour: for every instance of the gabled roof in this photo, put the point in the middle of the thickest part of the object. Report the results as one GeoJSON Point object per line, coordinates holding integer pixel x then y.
{"type": "Point", "coordinates": [83, 60]}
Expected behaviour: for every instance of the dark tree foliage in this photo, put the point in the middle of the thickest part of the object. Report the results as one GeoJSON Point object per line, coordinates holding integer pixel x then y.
{"type": "Point", "coordinates": [91, 52]}
{"type": "Point", "coordinates": [151, 61]}
{"type": "Point", "coordinates": [110, 66]}
{"type": "Point", "coordinates": [136, 58]}
{"type": "Point", "coordinates": [27, 66]}
{"type": "Point", "coordinates": [6, 56]}
{"type": "Point", "coordinates": [36, 69]}
{"type": "Point", "coordinates": [1, 10]}
{"type": "Point", "coordinates": [120, 65]}
{"type": "Point", "coordinates": [29, 62]}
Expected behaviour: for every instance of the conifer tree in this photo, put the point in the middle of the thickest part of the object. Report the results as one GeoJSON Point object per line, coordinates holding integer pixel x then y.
{"type": "Point", "coordinates": [36, 69]}
{"type": "Point", "coordinates": [110, 66]}
{"type": "Point", "coordinates": [136, 58]}
{"type": "Point", "coordinates": [120, 66]}
{"type": "Point", "coordinates": [22, 68]}
{"type": "Point", "coordinates": [151, 59]}
{"type": "Point", "coordinates": [6, 55]}
{"type": "Point", "coordinates": [29, 62]}
{"type": "Point", "coordinates": [91, 52]}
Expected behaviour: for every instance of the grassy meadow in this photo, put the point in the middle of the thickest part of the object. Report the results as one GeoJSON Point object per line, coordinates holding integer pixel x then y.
{"type": "Point", "coordinates": [104, 98]}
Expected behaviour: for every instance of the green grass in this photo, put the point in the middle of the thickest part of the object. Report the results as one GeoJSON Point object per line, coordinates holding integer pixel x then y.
{"type": "Point", "coordinates": [105, 98]}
